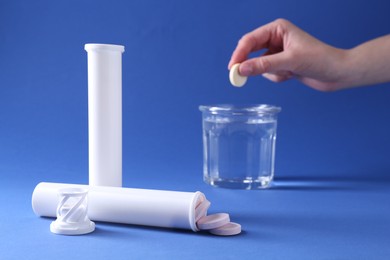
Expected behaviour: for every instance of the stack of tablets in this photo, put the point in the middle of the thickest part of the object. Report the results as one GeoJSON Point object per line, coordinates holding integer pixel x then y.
{"type": "Point", "coordinates": [217, 224]}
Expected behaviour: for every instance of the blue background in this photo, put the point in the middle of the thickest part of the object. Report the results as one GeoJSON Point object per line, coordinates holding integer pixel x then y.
{"type": "Point", "coordinates": [331, 195]}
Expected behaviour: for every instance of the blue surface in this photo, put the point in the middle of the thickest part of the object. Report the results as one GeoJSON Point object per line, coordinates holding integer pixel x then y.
{"type": "Point", "coordinates": [297, 219]}
{"type": "Point", "coordinates": [333, 173]}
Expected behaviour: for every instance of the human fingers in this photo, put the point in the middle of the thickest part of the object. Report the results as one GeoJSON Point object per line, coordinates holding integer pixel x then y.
{"type": "Point", "coordinates": [270, 63]}
{"type": "Point", "coordinates": [278, 77]}
{"type": "Point", "coordinates": [267, 36]}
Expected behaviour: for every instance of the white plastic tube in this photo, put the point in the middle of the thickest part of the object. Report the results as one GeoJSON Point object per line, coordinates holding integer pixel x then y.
{"type": "Point", "coordinates": [105, 114]}
{"type": "Point", "coordinates": [170, 209]}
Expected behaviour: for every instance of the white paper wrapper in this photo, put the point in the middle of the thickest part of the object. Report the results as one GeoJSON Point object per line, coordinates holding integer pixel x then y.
{"type": "Point", "coordinates": [160, 208]}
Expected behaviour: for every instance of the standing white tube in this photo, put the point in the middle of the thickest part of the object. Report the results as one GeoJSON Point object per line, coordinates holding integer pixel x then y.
{"type": "Point", "coordinates": [170, 209]}
{"type": "Point", "coordinates": [105, 114]}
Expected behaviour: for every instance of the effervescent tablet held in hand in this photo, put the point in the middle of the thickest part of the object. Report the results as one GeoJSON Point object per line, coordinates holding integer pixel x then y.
{"type": "Point", "coordinates": [235, 78]}
{"type": "Point", "coordinates": [230, 229]}
{"type": "Point", "coordinates": [213, 221]}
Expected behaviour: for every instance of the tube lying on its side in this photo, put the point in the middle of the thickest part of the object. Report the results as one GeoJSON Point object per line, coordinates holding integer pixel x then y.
{"type": "Point", "coordinates": [170, 209]}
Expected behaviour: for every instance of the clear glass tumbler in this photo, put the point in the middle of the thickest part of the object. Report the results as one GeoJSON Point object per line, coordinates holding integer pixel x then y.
{"type": "Point", "coordinates": [239, 145]}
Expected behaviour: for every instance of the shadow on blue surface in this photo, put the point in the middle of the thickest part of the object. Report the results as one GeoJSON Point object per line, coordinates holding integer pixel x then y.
{"type": "Point", "coordinates": [116, 230]}
{"type": "Point", "coordinates": [105, 229]}
{"type": "Point", "coordinates": [329, 183]}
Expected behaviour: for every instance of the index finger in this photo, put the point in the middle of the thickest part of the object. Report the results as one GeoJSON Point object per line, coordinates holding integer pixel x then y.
{"type": "Point", "coordinates": [253, 41]}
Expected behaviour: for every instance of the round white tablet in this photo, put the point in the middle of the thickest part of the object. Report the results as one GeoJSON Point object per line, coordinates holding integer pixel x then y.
{"type": "Point", "coordinates": [213, 221]}
{"type": "Point", "coordinates": [201, 210]}
{"type": "Point", "coordinates": [230, 229]}
{"type": "Point", "coordinates": [235, 78]}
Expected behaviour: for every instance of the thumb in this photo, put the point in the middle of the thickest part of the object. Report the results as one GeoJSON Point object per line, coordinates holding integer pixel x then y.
{"type": "Point", "coordinates": [265, 64]}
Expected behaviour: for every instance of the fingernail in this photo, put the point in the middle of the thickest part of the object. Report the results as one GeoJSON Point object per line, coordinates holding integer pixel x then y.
{"type": "Point", "coordinates": [246, 69]}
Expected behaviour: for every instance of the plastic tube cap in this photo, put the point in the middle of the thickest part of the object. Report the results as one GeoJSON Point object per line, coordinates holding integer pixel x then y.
{"type": "Point", "coordinates": [72, 216]}
{"type": "Point", "coordinates": [61, 228]}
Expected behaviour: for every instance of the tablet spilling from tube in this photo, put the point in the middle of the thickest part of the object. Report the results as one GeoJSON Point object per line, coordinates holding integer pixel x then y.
{"type": "Point", "coordinates": [217, 224]}
{"type": "Point", "coordinates": [158, 208]}
{"type": "Point", "coordinates": [236, 79]}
